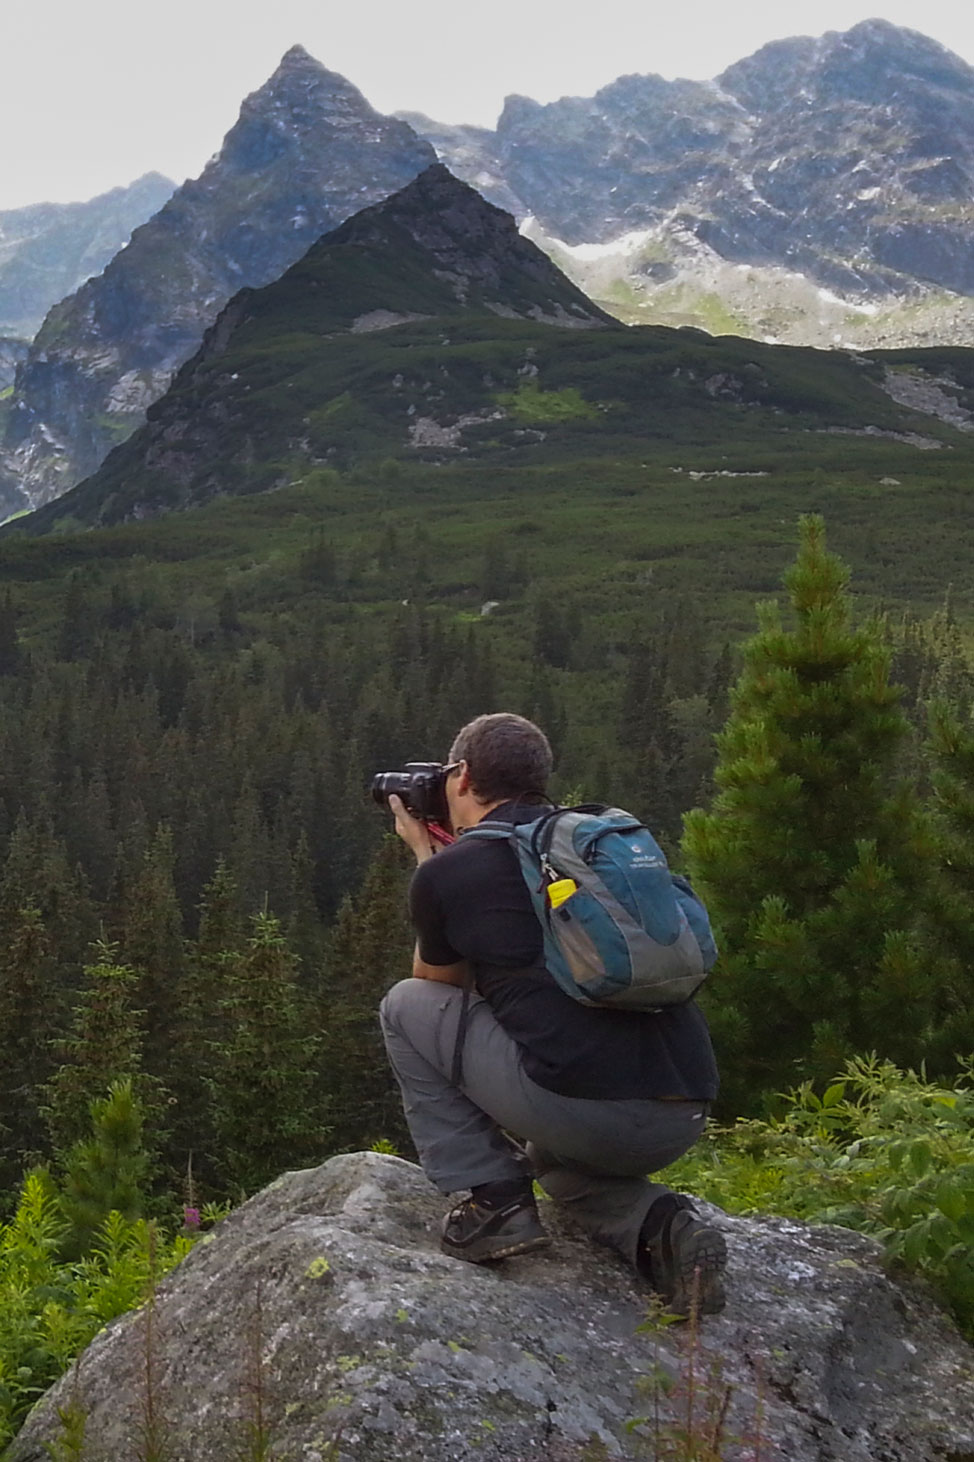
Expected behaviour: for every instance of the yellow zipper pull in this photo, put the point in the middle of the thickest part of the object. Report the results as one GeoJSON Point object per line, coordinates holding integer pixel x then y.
{"type": "Point", "coordinates": [560, 890]}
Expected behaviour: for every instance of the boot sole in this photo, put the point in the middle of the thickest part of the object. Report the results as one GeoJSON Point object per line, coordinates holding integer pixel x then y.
{"type": "Point", "coordinates": [700, 1267]}
{"type": "Point", "coordinates": [486, 1253]}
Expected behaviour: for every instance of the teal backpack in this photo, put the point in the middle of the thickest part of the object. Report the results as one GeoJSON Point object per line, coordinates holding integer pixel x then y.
{"type": "Point", "coordinates": [620, 929]}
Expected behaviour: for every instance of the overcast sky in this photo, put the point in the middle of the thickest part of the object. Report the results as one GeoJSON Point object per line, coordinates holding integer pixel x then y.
{"type": "Point", "coordinates": [93, 93]}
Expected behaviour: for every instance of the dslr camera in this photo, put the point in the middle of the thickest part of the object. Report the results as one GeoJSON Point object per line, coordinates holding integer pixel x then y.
{"type": "Point", "coordinates": [421, 786]}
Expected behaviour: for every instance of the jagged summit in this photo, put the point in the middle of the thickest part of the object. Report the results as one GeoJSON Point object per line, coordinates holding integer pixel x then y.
{"type": "Point", "coordinates": [899, 44]}
{"type": "Point", "coordinates": [304, 109]}
{"type": "Point", "coordinates": [838, 168]}
{"type": "Point", "coordinates": [296, 55]}
{"type": "Point", "coordinates": [298, 68]}
{"type": "Point", "coordinates": [875, 62]}
{"type": "Point", "coordinates": [306, 151]}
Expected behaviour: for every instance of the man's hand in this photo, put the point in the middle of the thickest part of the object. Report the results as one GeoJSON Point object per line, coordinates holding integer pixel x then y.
{"type": "Point", "coordinates": [414, 833]}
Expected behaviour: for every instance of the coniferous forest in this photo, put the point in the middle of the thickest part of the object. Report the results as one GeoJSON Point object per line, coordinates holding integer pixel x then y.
{"type": "Point", "coordinates": [199, 897]}
{"type": "Point", "coordinates": [200, 908]}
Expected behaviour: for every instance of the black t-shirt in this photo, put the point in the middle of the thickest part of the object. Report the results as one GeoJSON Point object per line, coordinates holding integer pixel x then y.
{"type": "Point", "coordinates": [471, 902]}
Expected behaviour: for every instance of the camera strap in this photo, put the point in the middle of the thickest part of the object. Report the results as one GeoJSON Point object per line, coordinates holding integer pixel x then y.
{"type": "Point", "coordinates": [456, 1072]}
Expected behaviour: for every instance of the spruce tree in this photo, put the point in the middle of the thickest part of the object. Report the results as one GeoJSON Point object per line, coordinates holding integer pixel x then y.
{"type": "Point", "coordinates": [76, 637]}
{"type": "Point", "coordinates": [104, 1046]}
{"type": "Point", "coordinates": [813, 857]}
{"type": "Point", "coordinates": [262, 1075]}
{"type": "Point", "coordinates": [201, 1024]}
{"type": "Point", "coordinates": [29, 1018]}
{"type": "Point", "coordinates": [304, 930]}
{"type": "Point", "coordinates": [11, 655]}
{"type": "Point", "coordinates": [950, 911]}
{"type": "Point", "coordinates": [152, 943]}
{"type": "Point", "coordinates": [107, 1171]}
{"type": "Point", "coordinates": [37, 874]}
{"type": "Point", "coordinates": [369, 950]}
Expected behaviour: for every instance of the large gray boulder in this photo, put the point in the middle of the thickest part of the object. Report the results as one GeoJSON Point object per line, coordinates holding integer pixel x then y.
{"type": "Point", "coordinates": [322, 1316]}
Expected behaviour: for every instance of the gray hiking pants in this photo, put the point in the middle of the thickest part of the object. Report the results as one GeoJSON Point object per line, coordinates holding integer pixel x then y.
{"type": "Point", "coordinates": [590, 1156]}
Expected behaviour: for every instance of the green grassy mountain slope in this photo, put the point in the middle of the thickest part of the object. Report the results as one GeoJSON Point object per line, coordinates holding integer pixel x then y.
{"type": "Point", "coordinates": [425, 329]}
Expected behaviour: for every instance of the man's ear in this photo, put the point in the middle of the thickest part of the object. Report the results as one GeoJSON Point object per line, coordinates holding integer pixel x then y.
{"type": "Point", "coordinates": [463, 778]}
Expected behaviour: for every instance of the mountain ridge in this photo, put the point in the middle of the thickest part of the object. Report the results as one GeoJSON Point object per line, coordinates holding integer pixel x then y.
{"type": "Point", "coordinates": [426, 329]}
{"type": "Point", "coordinates": [307, 148]}
{"type": "Point", "coordinates": [770, 202]}
{"type": "Point", "coordinates": [48, 249]}
{"type": "Point", "coordinates": [845, 161]}
{"type": "Point", "coordinates": [434, 251]}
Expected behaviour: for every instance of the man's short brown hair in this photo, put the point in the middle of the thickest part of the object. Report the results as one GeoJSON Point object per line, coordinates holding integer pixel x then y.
{"type": "Point", "coordinates": [508, 756]}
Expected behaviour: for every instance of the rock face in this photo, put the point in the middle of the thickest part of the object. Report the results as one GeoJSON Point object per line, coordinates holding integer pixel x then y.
{"type": "Point", "coordinates": [47, 250]}
{"type": "Point", "coordinates": [306, 152]}
{"type": "Point", "coordinates": [847, 161]}
{"type": "Point", "coordinates": [324, 1311]}
{"type": "Point", "coordinates": [13, 350]}
{"type": "Point", "coordinates": [468, 251]}
{"type": "Point", "coordinates": [434, 251]}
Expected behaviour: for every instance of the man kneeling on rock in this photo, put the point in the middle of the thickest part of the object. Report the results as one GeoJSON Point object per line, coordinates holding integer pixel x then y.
{"type": "Point", "coordinates": [600, 1097]}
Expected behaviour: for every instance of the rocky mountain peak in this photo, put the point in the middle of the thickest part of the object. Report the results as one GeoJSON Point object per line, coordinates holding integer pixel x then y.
{"type": "Point", "coordinates": [298, 70]}
{"type": "Point", "coordinates": [296, 57]}
{"type": "Point", "coordinates": [897, 45]}
{"type": "Point", "coordinates": [303, 106]}
{"type": "Point", "coordinates": [837, 169]}
{"type": "Point", "coordinates": [468, 242]}
{"type": "Point", "coordinates": [875, 62]}
{"type": "Point", "coordinates": [306, 152]}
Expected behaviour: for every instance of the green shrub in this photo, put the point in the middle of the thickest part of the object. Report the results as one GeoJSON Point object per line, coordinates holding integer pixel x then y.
{"type": "Point", "coordinates": [530, 403]}
{"type": "Point", "coordinates": [50, 1310]}
{"type": "Point", "coordinates": [882, 1150]}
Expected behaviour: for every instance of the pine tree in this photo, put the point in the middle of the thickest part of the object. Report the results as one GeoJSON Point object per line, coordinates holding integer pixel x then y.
{"type": "Point", "coordinates": [950, 929]}
{"type": "Point", "coordinates": [650, 744]}
{"type": "Point", "coordinates": [249, 849]}
{"type": "Point", "coordinates": [228, 617]}
{"type": "Point", "coordinates": [304, 929]}
{"type": "Point", "coordinates": [262, 1075]}
{"type": "Point", "coordinates": [106, 1172]}
{"type": "Point", "coordinates": [104, 1045]}
{"type": "Point", "coordinates": [554, 634]}
{"type": "Point", "coordinates": [37, 873]}
{"type": "Point", "coordinates": [76, 637]}
{"type": "Point", "coordinates": [11, 654]}
{"type": "Point", "coordinates": [152, 942]}
{"type": "Point", "coordinates": [369, 950]}
{"type": "Point", "coordinates": [199, 1023]}
{"type": "Point", "coordinates": [813, 857]}
{"type": "Point", "coordinates": [29, 1022]}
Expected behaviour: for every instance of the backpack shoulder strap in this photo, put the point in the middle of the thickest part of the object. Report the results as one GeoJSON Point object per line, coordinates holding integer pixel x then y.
{"type": "Point", "coordinates": [543, 831]}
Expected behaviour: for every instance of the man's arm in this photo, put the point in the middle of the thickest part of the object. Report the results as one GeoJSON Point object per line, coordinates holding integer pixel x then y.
{"type": "Point", "coordinates": [416, 836]}
{"type": "Point", "coordinates": [446, 974]}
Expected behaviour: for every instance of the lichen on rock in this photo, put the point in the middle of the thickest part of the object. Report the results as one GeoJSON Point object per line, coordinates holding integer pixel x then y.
{"type": "Point", "coordinates": [328, 1295]}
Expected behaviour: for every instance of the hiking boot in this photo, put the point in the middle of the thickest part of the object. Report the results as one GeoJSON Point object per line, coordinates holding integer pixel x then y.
{"type": "Point", "coordinates": [480, 1234]}
{"type": "Point", "coordinates": [684, 1259]}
